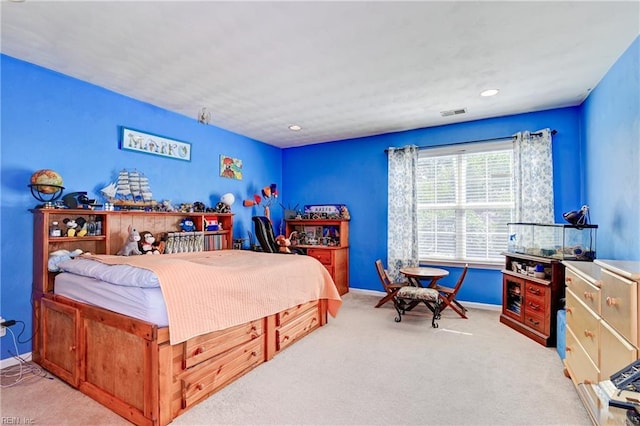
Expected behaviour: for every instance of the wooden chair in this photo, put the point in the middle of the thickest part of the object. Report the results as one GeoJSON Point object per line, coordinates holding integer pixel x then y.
{"type": "Point", "coordinates": [389, 287]}
{"type": "Point", "coordinates": [448, 295]}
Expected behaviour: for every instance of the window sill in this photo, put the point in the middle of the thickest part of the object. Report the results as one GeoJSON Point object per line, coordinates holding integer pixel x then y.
{"type": "Point", "coordinates": [460, 264]}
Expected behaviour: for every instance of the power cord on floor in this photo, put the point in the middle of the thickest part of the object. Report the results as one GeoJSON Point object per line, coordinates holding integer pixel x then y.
{"type": "Point", "coordinates": [21, 372]}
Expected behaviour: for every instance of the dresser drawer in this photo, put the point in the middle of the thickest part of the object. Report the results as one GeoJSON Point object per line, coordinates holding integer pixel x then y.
{"type": "Point", "coordinates": [535, 290]}
{"type": "Point", "coordinates": [581, 366]}
{"type": "Point", "coordinates": [535, 305]}
{"type": "Point", "coordinates": [324, 256]}
{"type": "Point", "coordinates": [588, 292]}
{"type": "Point", "coordinates": [213, 374]}
{"type": "Point", "coordinates": [291, 313]}
{"type": "Point", "coordinates": [615, 351]}
{"type": "Point", "coordinates": [584, 323]}
{"type": "Point", "coordinates": [536, 321]}
{"type": "Point", "coordinates": [619, 305]}
{"type": "Point", "coordinates": [207, 346]}
{"type": "Point", "coordinates": [297, 328]}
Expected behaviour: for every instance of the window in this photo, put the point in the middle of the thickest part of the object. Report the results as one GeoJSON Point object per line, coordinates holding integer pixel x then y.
{"type": "Point", "coordinates": [465, 200]}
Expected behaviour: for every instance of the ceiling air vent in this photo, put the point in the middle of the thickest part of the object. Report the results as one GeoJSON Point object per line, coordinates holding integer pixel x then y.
{"type": "Point", "coordinates": [453, 112]}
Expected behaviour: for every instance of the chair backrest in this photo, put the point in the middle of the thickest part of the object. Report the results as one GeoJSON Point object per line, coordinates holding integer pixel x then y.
{"type": "Point", "coordinates": [382, 273]}
{"type": "Point", "coordinates": [461, 279]}
{"type": "Point", "coordinates": [264, 234]}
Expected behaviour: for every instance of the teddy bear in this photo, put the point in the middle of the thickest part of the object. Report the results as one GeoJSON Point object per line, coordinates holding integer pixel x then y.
{"type": "Point", "coordinates": [283, 244]}
{"type": "Point", "coordinates": [55, 257]}
{"type": "Point", "coordinates": [147, 243]}
{"type": "Point", "coordinates": [131, 245]}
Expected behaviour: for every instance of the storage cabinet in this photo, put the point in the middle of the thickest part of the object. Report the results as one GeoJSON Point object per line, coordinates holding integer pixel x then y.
{"type": "Point", "coordinates": [602, 326]}
{"type": "Point", "coordinates": [531, 291]}
{"type": "Point", "coordinates": [326, 240]}
{"type": "Point", "coordinates": [60, 341]}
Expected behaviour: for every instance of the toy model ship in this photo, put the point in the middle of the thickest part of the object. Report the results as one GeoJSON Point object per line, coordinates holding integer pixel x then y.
{"type": "Point", "coordinates": [130, 191]}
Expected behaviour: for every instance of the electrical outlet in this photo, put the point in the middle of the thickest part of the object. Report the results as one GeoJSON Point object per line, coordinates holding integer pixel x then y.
{"type": "Point", "coordinates": [3, 330]}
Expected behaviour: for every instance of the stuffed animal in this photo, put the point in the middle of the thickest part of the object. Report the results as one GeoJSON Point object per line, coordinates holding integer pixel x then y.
{"type": "Point", "coordinates": [147, 244]}
{"type": "Point", "coordinates": [76, 227]}
{"type": "Point", "coordinates": [55, 257]}
{"type": "Point", "coordinates": [284, 243]}
{"type": "Point", "coordinates": [131, 245]}
{"type": "Point", "coordinates": [187, 224]}
{"type": "Point", "coordinates": [71, 226]}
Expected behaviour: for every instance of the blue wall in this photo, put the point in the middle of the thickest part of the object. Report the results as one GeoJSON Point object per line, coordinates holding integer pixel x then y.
{"type": "Point", "coordinates": [53, 121]}
{"type": "Point", "coordinates": [611, 126]}
{"type": "Point", "coordinates": [354, 172]}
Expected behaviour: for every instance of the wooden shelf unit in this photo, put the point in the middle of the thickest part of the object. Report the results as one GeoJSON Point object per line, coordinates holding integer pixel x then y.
{"type": "Point", "coordinates": [112, 236]}
{"type": "Point", "coordinates": [335, 258]}
{"type": "Point", "coordinates": [530, 304]}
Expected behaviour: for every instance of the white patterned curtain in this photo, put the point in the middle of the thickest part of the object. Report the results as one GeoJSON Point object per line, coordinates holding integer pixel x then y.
{"type": "Point", "coordinates": [402, 219]}
{"type": "Point", "coordinates": [533, 176]}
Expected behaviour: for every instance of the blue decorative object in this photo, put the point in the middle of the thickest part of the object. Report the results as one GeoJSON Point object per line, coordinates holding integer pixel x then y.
{"type": "Point", "coordinates": [187, 224]}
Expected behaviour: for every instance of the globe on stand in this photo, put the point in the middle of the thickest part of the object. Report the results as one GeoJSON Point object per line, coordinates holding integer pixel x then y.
{"type": "Point", "coordinates": [46, 185]}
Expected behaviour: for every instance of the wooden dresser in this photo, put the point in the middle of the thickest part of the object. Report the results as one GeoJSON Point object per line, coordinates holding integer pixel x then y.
{"type": "Point", "coordinates": [602, 300]}
{"type": "Point", "coordinates": [332, 252]}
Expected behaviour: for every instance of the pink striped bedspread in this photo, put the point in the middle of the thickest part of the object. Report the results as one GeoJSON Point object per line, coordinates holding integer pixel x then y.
{"type": "Point", "coordinates": [213, 290]}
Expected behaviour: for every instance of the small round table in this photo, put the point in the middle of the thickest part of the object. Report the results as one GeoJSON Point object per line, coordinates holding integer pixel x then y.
{"type": "Point", "coordinates": [418, 274]}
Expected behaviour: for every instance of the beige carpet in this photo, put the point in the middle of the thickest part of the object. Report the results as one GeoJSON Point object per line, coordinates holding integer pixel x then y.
{"type": "Point", "coordinates": [365, 369]}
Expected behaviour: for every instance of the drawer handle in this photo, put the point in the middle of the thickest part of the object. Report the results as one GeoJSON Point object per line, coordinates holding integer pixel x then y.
{"type": "Point", "coordinates": [611, 301]}
{"type": "Point", "coordinates": [534, 290]}
{"type": "Point", "coordinates": [588, 333]}
{"type": "Point", "coordinates": [72, 348]}
{"type": "Point", "coordinates": [569, 309]}
{"type": "Point", "coordinates": [198, 350]}
{"type": "Point", "coordinates": [588, 295]}
{"type": "Point", "coordinates": [534, 306]}
{"type": "Point", "coordinates": [534, 322]}
{"type": "Point", "coordinates": [254, 354]}
{"type": "Point", "coordinates": [199, 386]}
{"type": "Point", "coordinates": [567, 280]}
{"type": "Point", "coordinates": [568, 349]}
{"type": "Point", "coordinates": [598, 283]}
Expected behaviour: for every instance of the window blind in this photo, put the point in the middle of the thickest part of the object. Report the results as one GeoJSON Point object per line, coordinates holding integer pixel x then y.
{"type": "Point", "coordinates": [465, 200]}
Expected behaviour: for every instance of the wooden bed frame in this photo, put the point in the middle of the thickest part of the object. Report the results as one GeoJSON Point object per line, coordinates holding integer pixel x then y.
{"type": "Point", "coordinates": [128, 364]}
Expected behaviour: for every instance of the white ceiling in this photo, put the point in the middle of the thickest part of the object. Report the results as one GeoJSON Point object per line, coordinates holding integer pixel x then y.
{"type": "Point", "coordinates": [338, 69]}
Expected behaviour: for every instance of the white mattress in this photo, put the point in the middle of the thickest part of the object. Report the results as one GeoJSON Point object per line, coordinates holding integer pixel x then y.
{"type": "Point", "coordinates": [143, 303]}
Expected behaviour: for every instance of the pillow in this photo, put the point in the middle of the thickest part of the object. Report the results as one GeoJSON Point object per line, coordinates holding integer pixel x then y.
{"type": "Point", "coordinates": [124, 275]}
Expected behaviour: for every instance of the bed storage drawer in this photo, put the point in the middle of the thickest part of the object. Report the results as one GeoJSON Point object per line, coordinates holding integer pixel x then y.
{"type": "Point", "coordinates": [202, 348]}
{"type": "Point", "coordinates": [213, 374]}
{"type": "Point", "coordinates": [291, 313]}
{"type": "Point", "coordinates": [298, 327]}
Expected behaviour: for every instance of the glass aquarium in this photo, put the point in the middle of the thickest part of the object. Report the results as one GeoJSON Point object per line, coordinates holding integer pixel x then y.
{"type": "Point", "coordinates": [558, 241]}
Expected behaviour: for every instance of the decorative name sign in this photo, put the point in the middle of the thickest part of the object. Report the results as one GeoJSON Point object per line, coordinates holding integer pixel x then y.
{"type": "Point", "coordinates": [148, 143]}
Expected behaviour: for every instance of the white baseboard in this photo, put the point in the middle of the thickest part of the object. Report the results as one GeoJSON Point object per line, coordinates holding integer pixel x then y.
{"type": "Point", "coordinates": [9, 362]}
{"type": "Point", "coordinates": [475, 305]}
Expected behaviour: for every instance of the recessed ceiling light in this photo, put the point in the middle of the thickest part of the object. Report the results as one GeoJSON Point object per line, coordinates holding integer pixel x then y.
{"type": "Point", "coordinates": [489, 92]}
{"type": "Point", "coordinates": [295, 127]}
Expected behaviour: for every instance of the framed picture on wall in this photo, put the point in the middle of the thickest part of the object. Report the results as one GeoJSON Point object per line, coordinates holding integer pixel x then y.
{"type": "Point", "coordinates": [230, 167]}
